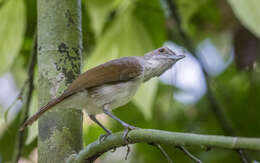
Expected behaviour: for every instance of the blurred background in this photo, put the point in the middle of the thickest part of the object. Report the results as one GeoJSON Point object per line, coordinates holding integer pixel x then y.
{"type": "Point", "coordinates": [214, 90]}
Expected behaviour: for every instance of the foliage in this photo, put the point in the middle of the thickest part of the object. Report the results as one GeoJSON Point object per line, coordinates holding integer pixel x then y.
{"type": "Point", "coordinates": [12, 28]}
{"type": "Point", "coordinates": [248, 13]}
{"type": "Point", "coordinates": [119, 28]}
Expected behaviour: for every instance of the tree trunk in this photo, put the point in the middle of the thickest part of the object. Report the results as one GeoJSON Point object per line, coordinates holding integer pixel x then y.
{"type": "Point", "coordinates": [59, 60]}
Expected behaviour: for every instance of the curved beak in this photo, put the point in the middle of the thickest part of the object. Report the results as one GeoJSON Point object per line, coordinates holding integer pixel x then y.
{"type": "Point", "coordinates": [177, 57]}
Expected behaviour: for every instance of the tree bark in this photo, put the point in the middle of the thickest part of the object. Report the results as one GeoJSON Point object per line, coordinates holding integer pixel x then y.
{"type": "Point", "coordinates": [59, 61]}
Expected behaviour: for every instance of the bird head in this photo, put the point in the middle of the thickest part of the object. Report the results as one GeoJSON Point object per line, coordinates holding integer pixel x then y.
{"type": "Point", "coordinates": [163, 54]}
{"type": "Point", "coordinates": [158, 61]}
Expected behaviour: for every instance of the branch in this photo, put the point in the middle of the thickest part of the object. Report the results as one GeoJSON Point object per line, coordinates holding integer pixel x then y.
{"type": "Point", "coordinates": [30, 81]}
{"type": "Point", "coordinates": [187, 153]}
{"type": "Point", "coordinates": [160, 148]}
{"type": "Point", "coordinates": [95, 149]}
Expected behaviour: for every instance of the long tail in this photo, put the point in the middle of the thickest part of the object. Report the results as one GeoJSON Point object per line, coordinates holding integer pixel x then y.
{"type": "Point", "coordinates": [41, 111]}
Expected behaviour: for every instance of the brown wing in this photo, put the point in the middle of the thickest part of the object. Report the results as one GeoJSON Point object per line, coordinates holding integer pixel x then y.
{"type": "Point", "coordinates": [118, 70]}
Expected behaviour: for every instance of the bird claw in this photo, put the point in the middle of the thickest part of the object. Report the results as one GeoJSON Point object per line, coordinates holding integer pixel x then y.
{"type": "Point", "coordinates": [126, 132]}
{"type": "Point", "coordinates": [128, 128]}
{"type": "Point", "coordinates": [103, 137]}
{"type": "Point", "coordinates": [127, 151]}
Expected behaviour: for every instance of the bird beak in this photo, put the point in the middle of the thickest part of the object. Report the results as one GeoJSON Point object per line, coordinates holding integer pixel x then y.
{"type": "Point", "coordinates": [177, 57]}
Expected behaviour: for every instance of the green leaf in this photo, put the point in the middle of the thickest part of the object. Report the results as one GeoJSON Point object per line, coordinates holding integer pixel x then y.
{"type": "Point", "coordinates": [187, 10]}
{"type": "Point", "coordinates": [239, 96]}
{"type": "Point", "coordinates": [91, 132]}
{"type": "Point", "coordinates": [99, 11]}
{"type": "Point", "coordinates": [223, 42]}
{"type": "Point", "coordinates": [199, 18]}
{"type": "Point", "coordinates": [8, 140]}
{"type": "Point", "coordinates": [248, 13]}
{"type": "Point", "coordinates": [33, 129]}
{"type": "Point", "coordinates": [150, 13]}
{"type": "Point", "coordinates": [2, 121]}
{"type": "Point", "coordinates": [28, 148]}
{"type": "Point", "coordinates": [12, 29]}
{"type": "Point", "coordinates": [144, 97]}
{"type": "Point", "coordinates": [132, 33]}
{"type": "Point", "coordinates": [125, 37]}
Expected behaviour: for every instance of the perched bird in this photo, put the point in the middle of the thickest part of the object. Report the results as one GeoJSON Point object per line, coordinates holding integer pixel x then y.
{"type": "Point", "coordinates": [111, 85]}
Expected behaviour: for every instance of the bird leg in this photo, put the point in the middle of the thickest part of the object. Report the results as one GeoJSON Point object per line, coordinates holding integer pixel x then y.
{"type": "Point", "coordinates": [103, 136]}
{"type": "Point", "coordinates": [128, 127]}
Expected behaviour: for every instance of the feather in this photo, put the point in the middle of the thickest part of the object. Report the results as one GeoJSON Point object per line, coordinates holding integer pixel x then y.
{"type": "Point", "coordinates": [118, 70]}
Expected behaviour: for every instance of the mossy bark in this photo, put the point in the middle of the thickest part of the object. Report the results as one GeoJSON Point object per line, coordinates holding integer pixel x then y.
{"type": "Point", "coordinates": [59, 60]}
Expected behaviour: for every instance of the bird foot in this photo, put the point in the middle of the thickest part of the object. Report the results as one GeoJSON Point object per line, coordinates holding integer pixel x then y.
{"type": "Point", "coordinates": [128, 128]}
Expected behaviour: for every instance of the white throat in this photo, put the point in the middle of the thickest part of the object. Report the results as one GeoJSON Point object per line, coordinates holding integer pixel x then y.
{"type": "Point", "coordinates": [154, 68]}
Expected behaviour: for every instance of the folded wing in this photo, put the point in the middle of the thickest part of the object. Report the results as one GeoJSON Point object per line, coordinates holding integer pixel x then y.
{"type": "Point", "coordinates": [118, 70]}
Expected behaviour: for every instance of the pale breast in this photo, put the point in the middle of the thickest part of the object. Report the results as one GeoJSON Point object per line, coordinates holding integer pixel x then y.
{"type": "Point", "coordinates": [115, 95]}
{"type": "Point", "coordinates": [93, 99]}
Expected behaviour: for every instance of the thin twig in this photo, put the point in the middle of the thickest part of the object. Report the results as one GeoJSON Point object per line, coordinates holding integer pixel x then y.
{"type": "Point", "coordinates": [187, 153]}
{"type": "Point", "coordinates": [30, 73]}
{"type": "Point", "coordinates": [127, 151]}
{"type": "Point", "coordinates": [160, 148]}
{"type": "Point", "coordinates": [244, 157]}
{"type": "Point", "coordinates": [215, 107]}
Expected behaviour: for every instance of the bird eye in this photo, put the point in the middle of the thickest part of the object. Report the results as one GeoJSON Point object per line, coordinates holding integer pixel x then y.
{"type": "Point", "coordinates": [161, 50]}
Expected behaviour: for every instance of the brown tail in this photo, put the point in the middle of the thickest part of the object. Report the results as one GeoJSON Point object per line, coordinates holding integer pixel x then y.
{"type": "Point", "coordinates": [41, 111]}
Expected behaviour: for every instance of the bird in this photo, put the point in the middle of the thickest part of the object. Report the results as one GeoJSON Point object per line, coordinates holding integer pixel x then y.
{"type": "Point", "coordinates": [111, 85]}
